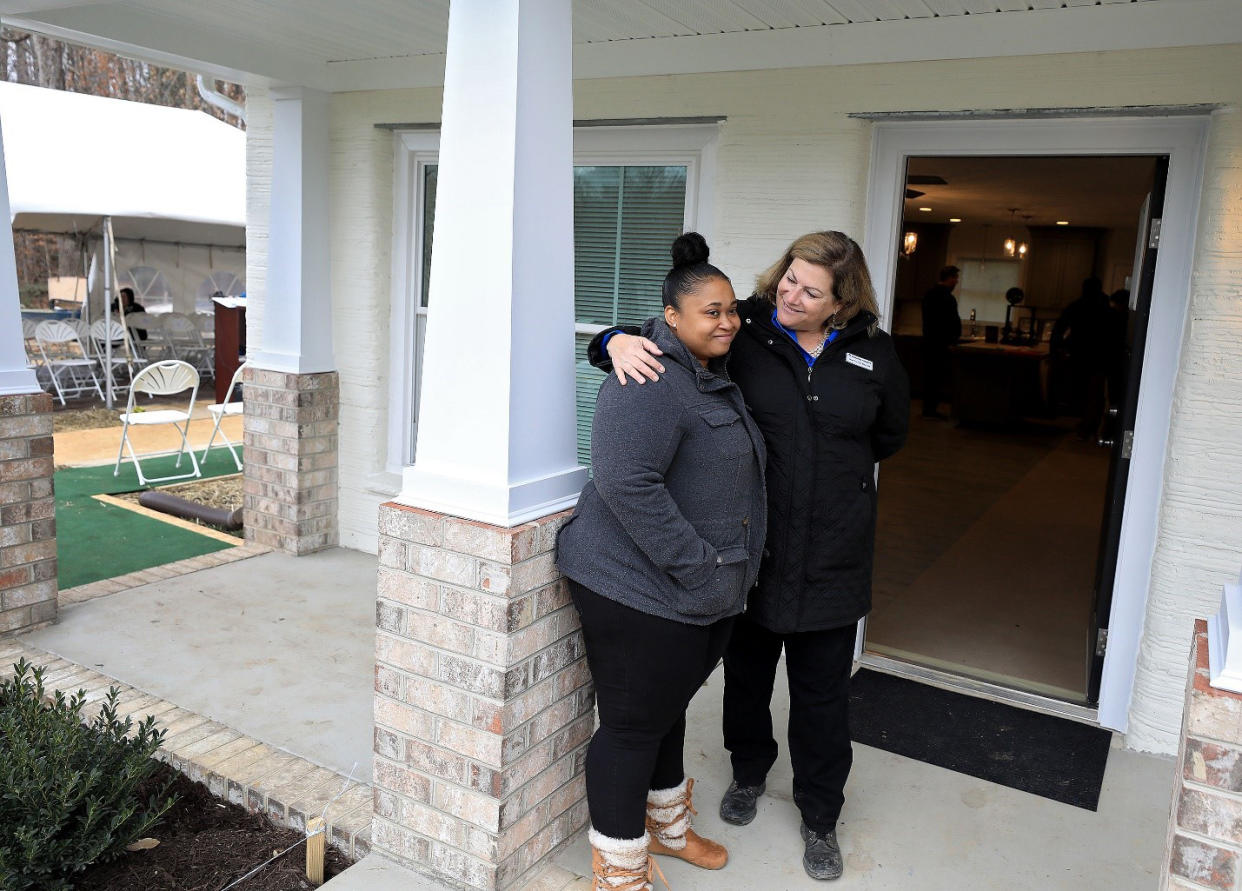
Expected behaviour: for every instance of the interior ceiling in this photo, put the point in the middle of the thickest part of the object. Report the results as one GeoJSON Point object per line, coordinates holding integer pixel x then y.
{"type": "Point", "coordinates": [1095, 191]}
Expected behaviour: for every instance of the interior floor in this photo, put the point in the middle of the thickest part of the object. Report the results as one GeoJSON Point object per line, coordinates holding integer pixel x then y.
{"type": "Point", "coordinates": [986, 550]}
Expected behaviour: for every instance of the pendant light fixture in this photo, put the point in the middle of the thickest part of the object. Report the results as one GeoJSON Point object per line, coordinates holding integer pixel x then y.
{"type": "Point", "coordinates": [909, 242]}
{"type": "Point", "coordinates": [1010, 244]}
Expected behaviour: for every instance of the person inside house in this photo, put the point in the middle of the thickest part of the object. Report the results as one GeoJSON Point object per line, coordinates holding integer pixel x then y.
{"type": "Point", "coordinates": [1083, 332]}
{"type": "Point", "coordinates": [826, 389]}
{"type": "Point", "coordinates": [660, 553]}
{"type": "Point", "coordinates": [126, 304]}
{"type": "Point", "coordinates": [942, 327]}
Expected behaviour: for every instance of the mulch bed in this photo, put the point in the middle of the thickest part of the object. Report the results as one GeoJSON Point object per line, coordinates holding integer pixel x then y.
{"type": "Point", "coordinates": [223, 492]}
{"type": "Point", "coordinates": [204, 845]}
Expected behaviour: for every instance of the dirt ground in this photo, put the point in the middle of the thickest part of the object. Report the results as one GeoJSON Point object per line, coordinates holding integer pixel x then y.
{"type": "Point", "coordinates": [204, 845]}
{"type": "Point", "coordinates": [86, 413]}
{"type": "Point", "coordinates": [90, 418]}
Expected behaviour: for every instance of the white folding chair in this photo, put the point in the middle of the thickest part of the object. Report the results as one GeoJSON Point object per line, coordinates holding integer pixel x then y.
{"type": "Point", "coordinates": [69, 365]}
{"type": "Point", "coordinates": [134, 322]}
{"type": "Point", "coordinates": [224, 409]}
{"type": "Point", "coordinates": [161, 379]}
{"type": "Point", "coordinates": [156, 347]}
{"type": "Point", "coordinates": [185, 342]}
{"type": "Point", "coordinates": [105, 330]}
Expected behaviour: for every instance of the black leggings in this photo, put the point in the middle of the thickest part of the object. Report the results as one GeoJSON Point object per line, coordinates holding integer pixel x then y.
{"type": "Point", "coordinates": [646, 670]}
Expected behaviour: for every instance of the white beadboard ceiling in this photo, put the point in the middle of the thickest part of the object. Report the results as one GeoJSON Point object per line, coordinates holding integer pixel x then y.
{"type": "Point", "coordinates": [382, 43]}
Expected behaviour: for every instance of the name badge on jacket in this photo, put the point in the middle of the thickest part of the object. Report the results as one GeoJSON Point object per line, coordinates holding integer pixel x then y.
{"type": "Point", "coordinates": [859, 361]}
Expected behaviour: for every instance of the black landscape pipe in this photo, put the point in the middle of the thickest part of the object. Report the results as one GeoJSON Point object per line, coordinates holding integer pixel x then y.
{"type": "Point", "coordinates": [189, 510]}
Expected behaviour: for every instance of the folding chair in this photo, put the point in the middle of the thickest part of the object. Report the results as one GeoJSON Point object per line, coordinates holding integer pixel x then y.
{"type": "Point", "coordinates": [103, 331]}
{"type": "Point", "coordinates": [186, 343]}
{"type": "Point", "coordinates": [68, 370]}
{"type": "Point", "coordinates": [161, 379]}
{"type": "Point", "coordinates": [226, 408]}
{"type": "Point", "coordinates": [155, 348]}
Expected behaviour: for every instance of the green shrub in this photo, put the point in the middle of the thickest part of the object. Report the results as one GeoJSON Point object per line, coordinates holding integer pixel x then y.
{"type": "Point", "coordinates": [69, 790]}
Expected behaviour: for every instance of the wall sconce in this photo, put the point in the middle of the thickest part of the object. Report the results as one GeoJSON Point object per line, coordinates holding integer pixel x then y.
{"type": "Point", "coordinates": [909, 242]}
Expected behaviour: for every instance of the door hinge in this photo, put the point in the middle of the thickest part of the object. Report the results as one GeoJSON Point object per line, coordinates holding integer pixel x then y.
{"type": "Point", "coordinates": [1127, 444]}
{"type": "Point", "coordinates": [1153, 240]}
{"type": "Point", "coordinates": [1101, 641]}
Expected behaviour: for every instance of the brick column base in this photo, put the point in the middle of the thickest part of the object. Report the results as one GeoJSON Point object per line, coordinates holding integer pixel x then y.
{"type": "Point", "coordinates": [483, 700]}
{"type": "Point", "coordinates": [27, 514]}
{"type": "Point", "coordinates": [1205, 829]}
{"type": "Point", "coordinates": [290, 427]}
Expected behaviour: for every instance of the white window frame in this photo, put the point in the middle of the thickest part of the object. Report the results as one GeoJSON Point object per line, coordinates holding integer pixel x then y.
{"type": "Point", "coordinates": [692, 146]}
{"type": "Point", "coordinates": [1184, 140]}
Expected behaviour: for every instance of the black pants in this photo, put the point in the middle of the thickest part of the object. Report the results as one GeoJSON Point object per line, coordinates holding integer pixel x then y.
{"type": "Point", "coordinates": [818, 664]}
{"type": "Point", "coordinates": [937, 377]}
{"type": "Point", "coordinates": [646, 670]}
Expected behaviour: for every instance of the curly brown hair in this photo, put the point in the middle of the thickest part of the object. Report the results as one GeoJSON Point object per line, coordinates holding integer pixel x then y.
{"type": "Point", "coordinates": [841, 256]}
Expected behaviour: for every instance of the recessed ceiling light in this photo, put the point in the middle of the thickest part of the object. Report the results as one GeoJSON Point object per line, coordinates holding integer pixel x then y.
{"type": "Point", "coordinates": [925, 209]}
{"type": "Point", "coordinates": [955, 219]}
{"type": "Point", "coordinates": [1062, 222]}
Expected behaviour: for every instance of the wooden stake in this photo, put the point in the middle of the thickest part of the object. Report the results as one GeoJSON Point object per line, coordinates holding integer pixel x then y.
{"type": "Point", "coordinates": [315, 848]}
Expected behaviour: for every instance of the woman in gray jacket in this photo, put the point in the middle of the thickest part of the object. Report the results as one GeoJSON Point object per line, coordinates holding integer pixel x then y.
{"type": "Point", "coordinates": [660, 554]}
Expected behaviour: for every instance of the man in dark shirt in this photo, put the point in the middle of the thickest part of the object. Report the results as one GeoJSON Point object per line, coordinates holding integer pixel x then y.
{"type": "Point", "coordinates": [1084, 330]}
{"type": "Point", "coordinates": [942, 327]}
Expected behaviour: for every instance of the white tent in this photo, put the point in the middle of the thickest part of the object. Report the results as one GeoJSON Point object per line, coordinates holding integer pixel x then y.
{"type": "Point", "coordinates": [162, 174]}
{"type": "Point", "coordinates": [163, 188]}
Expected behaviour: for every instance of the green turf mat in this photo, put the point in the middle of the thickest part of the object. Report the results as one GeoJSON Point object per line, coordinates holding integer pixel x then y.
{"type": "Point", "coordinates": [98, 541]}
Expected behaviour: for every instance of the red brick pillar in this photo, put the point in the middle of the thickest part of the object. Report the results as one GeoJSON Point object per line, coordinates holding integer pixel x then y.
{"type": "Point", "coordinates": [27, 514]}
{"type": "Point", "coordinates": [483, 701]}
{"type": "Point", "coordinates": [1205, 830]}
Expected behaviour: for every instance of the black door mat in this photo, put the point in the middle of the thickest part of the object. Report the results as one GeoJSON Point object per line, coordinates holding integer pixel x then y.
{"type": "Point", "coordinates": [1051, 757]}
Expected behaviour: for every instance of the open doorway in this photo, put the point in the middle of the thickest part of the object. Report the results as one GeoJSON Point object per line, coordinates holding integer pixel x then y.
{"type": "Point", "coordinates": [997, 525]}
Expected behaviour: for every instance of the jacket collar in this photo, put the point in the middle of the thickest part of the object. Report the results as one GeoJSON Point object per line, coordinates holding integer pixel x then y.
{"type": "Point", "coordinates": [713, 377]}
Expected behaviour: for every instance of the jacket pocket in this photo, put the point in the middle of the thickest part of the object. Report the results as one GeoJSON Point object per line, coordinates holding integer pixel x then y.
{"type": "Point", "coordinates": [728, 433]}
{"type": "Point", "coordinates": [723, 589]}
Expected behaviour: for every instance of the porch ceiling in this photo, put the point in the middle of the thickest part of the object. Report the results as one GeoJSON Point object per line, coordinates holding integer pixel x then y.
{"type": "Point", "coordinates": [393, 43]}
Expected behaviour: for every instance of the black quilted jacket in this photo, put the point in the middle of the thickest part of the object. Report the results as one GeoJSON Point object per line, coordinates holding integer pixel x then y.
{"type": "Point", "coordinates": [824, 432]}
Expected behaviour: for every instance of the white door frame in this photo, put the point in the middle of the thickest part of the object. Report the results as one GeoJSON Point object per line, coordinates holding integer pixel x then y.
{"type": "Point", "coordinates": [1183, 139]}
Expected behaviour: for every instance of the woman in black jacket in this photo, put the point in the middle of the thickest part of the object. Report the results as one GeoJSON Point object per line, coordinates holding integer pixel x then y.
{"type": "Point", "coordinates": [660, 552]}
{"type": "Point", "coordinates": [825, 386]}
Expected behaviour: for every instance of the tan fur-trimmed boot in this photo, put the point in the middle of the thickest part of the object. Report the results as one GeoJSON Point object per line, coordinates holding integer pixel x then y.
{"type": "Point", "coordinates": [621, 864]}
{"type": "Point", "coordinates": [668, 823]}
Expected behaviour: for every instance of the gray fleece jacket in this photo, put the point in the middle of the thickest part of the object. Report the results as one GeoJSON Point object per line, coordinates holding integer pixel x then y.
{"type": "Point", "coordinates": [673, 521]}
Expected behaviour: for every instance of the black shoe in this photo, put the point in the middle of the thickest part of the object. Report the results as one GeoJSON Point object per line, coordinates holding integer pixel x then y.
{"type": "Point", "coordinates": [822, 858]}
{"type": "Point", "coordinates": [738, 805]}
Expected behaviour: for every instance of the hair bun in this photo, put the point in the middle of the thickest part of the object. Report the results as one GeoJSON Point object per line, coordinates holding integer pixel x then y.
{"type": "Point", "coordinates": [689, 249]}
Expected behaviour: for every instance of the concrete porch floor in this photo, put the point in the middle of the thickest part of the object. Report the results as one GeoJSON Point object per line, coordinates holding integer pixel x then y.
{"type": "Point", "coordinates": [282, 649]}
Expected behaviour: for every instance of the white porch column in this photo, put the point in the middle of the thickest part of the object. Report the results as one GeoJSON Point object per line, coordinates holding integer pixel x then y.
{"type": "Point", "coordinates": [497, 416]}
{"type": "Point", "coordinates": [291, 390]}
{"type": "Point", "coordinates": [297, 309]}
{"type": "Point", "coordinates": [15, 376]}
{"type": "Point", "coordinates": [483, 700]}
{"type": "Point", "coordinates": [27, 507]}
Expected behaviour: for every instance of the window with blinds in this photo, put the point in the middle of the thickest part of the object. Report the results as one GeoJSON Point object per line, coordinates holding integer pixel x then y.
{"type": "Point", "coordinates": [625, 220]}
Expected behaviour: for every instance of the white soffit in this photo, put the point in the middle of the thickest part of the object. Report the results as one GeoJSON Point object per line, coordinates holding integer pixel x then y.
{"type": "Point", "coordinates": [376, 44]}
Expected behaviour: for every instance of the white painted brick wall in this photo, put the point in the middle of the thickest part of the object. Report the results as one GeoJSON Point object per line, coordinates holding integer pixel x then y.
{"type": "Point", "coordinates": [1201, 511]}
{"type": "Point", "coordinates": [791, 160]}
